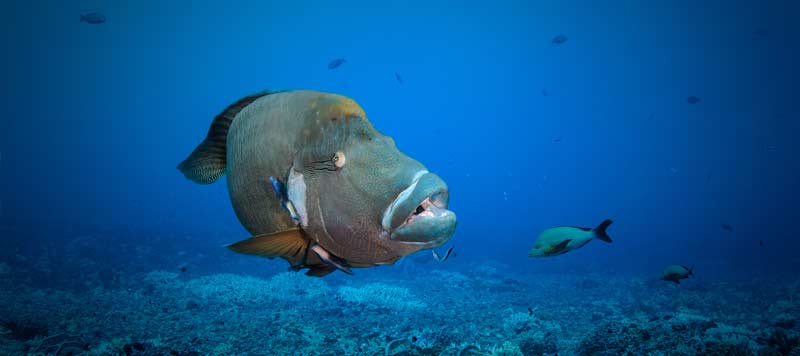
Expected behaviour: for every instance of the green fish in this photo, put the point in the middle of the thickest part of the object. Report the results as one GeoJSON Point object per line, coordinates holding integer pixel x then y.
{"type": "Point", "coordinates": [560, 240]}
{"type": "Point", "coordinates": [356, 200]}
{"type": "Point", "coordinates": [675, 273]}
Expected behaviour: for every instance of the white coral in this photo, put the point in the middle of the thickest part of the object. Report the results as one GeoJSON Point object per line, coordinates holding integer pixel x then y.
{"type": "Point", "coordinates": [380, 294]}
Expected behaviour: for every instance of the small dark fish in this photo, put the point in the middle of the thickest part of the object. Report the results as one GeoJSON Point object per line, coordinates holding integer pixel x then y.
{"type": "Point", "coordinates": [761, 243]}
{"type": "Point", "coordinates": [558, 139]}
{"type": "Point", "coordinates": [414, 339]}
{"type": "Point", "coordinates": [693, 99]}
{"type": "Point", "coordinates": [727, 227]}
{"type": "Point", "coordinates": [446, 255]}
{"type": "Point", "coordinates": [336, 63]}
{"type": "Point", "coordinates": [280, 193]}
{"type": "Point", "coordinates": [530, 311]}
{"type": "Point", "coordinates": [183, 269]}
{"type": "Point", "coordinates": [277, 187]}
{"type": "Point", "coordinates": [559, 39]}
{"type": "Point", "coordinates": [94, 18]}
{"type": "Point", "coordinates": [399, 78]}
{"type": "Point", "coordinates": [761, 31]}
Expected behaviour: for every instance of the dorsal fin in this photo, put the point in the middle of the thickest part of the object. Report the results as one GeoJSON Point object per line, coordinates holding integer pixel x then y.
{"type": "Point", "coordinates": [207, 162]}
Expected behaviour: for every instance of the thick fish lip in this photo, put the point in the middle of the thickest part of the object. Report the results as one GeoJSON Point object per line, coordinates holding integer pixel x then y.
{"type": "Point", "coordinates": [426, 190]}
{"type": "Point", "coordinates": [419, 214]}
{"type": "Point", "coordinates": [430, 230]}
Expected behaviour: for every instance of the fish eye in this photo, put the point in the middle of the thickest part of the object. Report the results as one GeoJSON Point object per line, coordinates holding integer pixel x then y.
{"type": "Point", "coordinates": [339, 159]}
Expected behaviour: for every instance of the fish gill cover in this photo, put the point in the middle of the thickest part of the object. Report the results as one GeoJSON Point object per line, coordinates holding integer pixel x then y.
{"type": "Point", "coordinates": [536, 121]}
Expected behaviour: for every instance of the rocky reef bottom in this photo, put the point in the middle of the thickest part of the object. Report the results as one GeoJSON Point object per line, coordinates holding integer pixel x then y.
{"type": "Point", "coordinates": [470, 311]}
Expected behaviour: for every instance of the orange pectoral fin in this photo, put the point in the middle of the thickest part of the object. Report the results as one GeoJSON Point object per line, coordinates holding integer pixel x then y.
{"type": "Point", "coordinates": [291, 245]}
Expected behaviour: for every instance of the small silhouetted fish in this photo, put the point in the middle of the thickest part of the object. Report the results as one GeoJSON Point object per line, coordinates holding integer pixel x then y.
{"type": "Point", "coordinates": [761, 243]}
{"type": "Point", "coordinates": [772, 148]}
{"type": "Point", "coordinates": [761, 31]}
{"type": "Point", "coordinates": [446, 255]}
{"type": "Point", "coordinates": [530, 311]}
{"type": "Point", "coordinates": [336, 63]}
{"type": "Point", "coordinates": [398, 77]}
{"type": "Point", "coordinates": [94, 18]}
{"type": "Point", "coordinates": [727, 227]}
{"type": "Point", "coordinates": [559, 39]}
{"type": "Point", "coordinates": [183, 269]}
{"type": "Point", "coordinates": [558, 139]}
{"type": "Point", "coordinates": [693, 99]}
{"type": "Point", "coordinates": [544, 92]}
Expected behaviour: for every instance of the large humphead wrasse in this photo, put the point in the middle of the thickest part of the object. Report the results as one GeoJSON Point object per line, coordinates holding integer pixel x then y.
{"type": "Point", "coordinates": [317, 185]}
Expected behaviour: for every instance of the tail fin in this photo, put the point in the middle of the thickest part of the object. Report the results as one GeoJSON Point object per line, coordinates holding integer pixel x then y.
{"type": "Point", "coordinates": [600, 231]}
{"type": "Point", "coordinates": [207, 162]}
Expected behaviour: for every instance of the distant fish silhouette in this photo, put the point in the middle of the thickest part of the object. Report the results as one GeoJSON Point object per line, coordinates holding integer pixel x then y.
{"type": "Point", "coordinates": [693, 99]}
{"type": "Point", "coordinates": [726, 227]}
{"type": "Point", "coordinates": [336, 63]}
{"type": "Point", "coordinates": [675, 273]}
{"type": "Point", "coordinates": [558, 139]}
{"type": "Point", "coordinates": [399, 78]}
{"type": "Point", "coordinates": [559, 39]}
{"type": "Point", "coordinates": [761, 243]}
{"type": "Point", "coordinates": [94, 18]}
{"type": "Point", "coordinates": [544, 92]}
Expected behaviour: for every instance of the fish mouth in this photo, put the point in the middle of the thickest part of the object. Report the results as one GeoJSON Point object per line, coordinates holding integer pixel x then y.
{"type": "Point", "coordinates": [434, 206]}
{"type": "Point", "coordinates": [419, 214]}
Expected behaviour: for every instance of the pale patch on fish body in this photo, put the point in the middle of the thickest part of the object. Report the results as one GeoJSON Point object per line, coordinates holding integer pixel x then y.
{"type": "Point", "coordinates": [297, 195]}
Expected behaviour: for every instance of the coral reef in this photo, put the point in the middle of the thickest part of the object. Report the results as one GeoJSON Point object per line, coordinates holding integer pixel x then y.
{"type": "Point", "coordinates": [486, 311]}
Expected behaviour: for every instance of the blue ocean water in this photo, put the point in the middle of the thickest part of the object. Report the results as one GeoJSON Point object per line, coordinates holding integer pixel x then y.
{"type": "Point", "coordinates": [108, 249]}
